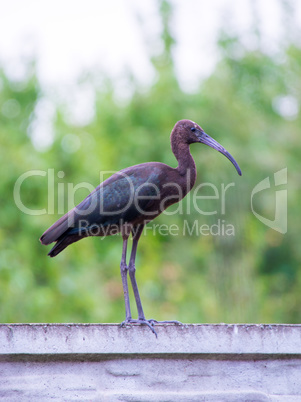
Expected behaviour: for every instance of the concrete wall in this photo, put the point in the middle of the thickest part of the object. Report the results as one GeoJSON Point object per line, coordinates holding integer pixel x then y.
{"type": "Point", "coordinates": [95, 362]}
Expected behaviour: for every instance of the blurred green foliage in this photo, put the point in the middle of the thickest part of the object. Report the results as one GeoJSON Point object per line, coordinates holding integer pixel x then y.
{"type": "Point", "coordinates": [254, 276]}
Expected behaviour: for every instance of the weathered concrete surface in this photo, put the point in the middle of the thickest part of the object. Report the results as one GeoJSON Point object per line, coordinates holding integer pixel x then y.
{"type": "Point", "coordinates": [94, 362]}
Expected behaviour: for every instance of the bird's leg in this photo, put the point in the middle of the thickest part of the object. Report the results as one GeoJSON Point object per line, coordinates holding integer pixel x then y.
{"type": "Point", "coordinates": [131, 268]}
{"type": "Point", "coordinates": [124, 272]}
{"type": "Point", "coordinates": [132, 272]}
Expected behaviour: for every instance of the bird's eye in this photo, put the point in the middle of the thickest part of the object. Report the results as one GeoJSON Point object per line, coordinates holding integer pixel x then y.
{"type": "Point", "coordinates": [193, 129]}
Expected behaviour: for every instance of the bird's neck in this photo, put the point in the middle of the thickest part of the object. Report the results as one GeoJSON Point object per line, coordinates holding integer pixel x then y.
{"type": "Point", "coordinates": [186, 166]}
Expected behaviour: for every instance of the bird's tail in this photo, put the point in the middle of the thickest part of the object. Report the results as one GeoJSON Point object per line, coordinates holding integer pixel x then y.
{"type": "Point", "coordinates": [62, 243]}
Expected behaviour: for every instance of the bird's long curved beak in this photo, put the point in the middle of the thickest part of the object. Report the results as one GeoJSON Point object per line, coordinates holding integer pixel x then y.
{"type": "Point", "coordinates": [206, 139]}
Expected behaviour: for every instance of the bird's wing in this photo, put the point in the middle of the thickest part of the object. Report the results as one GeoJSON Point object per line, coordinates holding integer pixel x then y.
{"type": "Point", "coordinates": [122, 197]}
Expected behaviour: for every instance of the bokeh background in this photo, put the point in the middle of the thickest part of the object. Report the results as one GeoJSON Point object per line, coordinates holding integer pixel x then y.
{"type": "Point", "coordinates": [87, 87]}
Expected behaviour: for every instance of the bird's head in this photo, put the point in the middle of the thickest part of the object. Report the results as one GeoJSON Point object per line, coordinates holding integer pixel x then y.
{"type": "Point", "coordinates": [192, 132]}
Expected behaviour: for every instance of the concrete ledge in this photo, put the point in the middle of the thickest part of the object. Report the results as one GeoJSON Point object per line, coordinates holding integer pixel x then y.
{"type": "Point", "coordinates": [216, 340]}
{"type": "Point", "coordinates": [185, 363]}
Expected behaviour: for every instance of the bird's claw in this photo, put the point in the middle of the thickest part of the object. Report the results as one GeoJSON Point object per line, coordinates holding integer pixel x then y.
{"type": "Point", "coordinates": [153, 322]}
{"type": "Point", "coordinates": [150, 323]}
{"type": "Point", "coordinates": [140, 321]}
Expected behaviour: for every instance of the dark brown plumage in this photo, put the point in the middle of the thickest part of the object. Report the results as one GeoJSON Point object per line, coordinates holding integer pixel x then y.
{"type": "Point", "coordinates": [129, 199]}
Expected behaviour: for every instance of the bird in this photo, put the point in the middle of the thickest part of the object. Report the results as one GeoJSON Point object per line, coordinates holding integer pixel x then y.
{"type": "Point", "coordinates": [128, 200]}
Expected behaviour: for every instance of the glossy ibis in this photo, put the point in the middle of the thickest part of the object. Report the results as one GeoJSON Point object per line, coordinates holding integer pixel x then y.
{"type": "Point", "coordinates": [129, 199]}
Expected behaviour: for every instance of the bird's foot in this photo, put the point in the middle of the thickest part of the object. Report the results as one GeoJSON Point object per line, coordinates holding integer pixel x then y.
{"type": "Point", "coordinates": [150, 323]}
{"type": "Point", "coordinates": [140, 321]}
